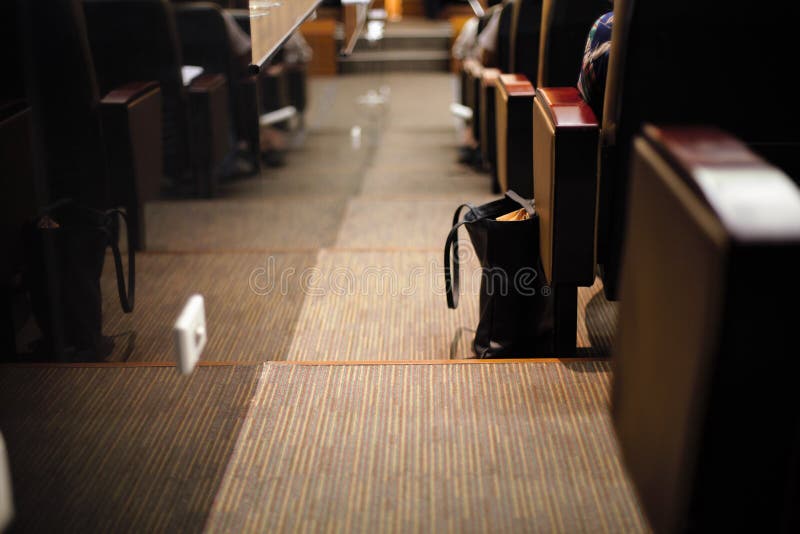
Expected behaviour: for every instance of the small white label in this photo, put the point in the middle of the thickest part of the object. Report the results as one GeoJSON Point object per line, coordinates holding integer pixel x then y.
{"type": "Point", "coordinates": [190, 334]}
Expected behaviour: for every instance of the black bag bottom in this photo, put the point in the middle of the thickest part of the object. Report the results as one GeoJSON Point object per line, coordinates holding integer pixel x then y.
{"type": "Point", "coordinates": [516, 306]}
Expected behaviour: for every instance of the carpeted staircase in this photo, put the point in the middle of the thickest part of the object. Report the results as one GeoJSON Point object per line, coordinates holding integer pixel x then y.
{"type": "Point", "coordinates": [313, 410]}
{"type": "Point", "coordinates": [337, 209]}
{"type": "Point", "coordinates": [410, 45]}
{"type": "Point", "coordinates": [289, 447]}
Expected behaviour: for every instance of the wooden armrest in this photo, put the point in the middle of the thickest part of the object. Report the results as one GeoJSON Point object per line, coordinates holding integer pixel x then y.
{"type": "Point", "coordinates": [487, 122]}
{"type": "Point", "coordinates": [566, 107]}
{"type": "Point", "coordinates": [208, 99]}
{"type": "Point", "coordinates": [513, 112]}
{"type": "Point", "coordinates": [566, 136]}
{"type": "Point", "coordinates": [692, 148]}
{"type": "Point", "coordinates": [724, 172]}
{"type": "Point", "coordinates": [131, 117]}
{"type": "Point", "coordinates": [248, 79]}
{"type": "Point", "coordinates": [515, 85]}
{"type": "Point", "coordinates": [205, 83]}
{"type": "Point", "coordinates": [129, 92]}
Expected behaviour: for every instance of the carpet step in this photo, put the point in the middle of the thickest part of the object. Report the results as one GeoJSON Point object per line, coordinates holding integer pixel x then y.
{"type": "Point", "coordinates": [421, 42]}
{"type": "Point", "coordinates": [395, 61]}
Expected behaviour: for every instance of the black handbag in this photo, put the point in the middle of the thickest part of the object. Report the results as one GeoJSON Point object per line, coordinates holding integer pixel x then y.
{"type": "Point", "coordinates": [516, 311]}
{"type": "Point", "coordinates": [65, 253]}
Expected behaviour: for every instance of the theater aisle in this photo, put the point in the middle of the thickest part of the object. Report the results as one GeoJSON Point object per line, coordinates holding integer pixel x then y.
{"type": "Point", "coordinates": [475, 446]}
{"type": "Point", "coordinates": [335, 256]}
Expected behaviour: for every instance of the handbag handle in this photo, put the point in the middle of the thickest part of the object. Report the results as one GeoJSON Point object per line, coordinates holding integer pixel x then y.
{"type": "Point", "coordinates": [451, 261]}
{"type": "Point", "coordinates": [529, 206]}
{"type": "Point", "coordinates": [126, 297]}
{"type": "Point", "coordinates": [451, 283]}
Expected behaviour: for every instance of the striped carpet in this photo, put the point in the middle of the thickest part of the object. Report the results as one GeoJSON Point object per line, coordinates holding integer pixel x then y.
{"type": "Point", "coordinates": [276, 223]}
{"type": "Point", "coordinates": [120, 449]}
{"type": "Point", "coordinates": [421, 223]}
{"type": "Point", "coordinates": [391, 305]}
{"type": "Point", "coordinates": [288, 182]}
{"type": "Point", "coordinates": [381, 306]}
{"type": "Point", "coordinates": [435, 180]}
{"type": "Point", "coordinates": [248, 319]}
{"type": "Point", "coordinates": [279, 447]}
{"type": "Point", "coordinates": [338, 208]}
{"type": "Point", "coordinates": [486, 447]}
{"type": "Point", "coordinates": [463, 446]}
{"type": "Point", "coordinates": [597, 321]}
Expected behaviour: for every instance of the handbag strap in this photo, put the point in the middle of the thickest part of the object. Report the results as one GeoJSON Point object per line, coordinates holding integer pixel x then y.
{"type": "Point", "coordinates": [451, 275]}
{"type": "Point", "coordinates": [527, 204]}
{"type": "Point", "coordinates": [126, 297]}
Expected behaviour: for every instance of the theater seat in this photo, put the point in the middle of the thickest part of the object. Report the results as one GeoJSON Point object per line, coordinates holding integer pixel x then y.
{"type": "Point", "coordinates": [661, 70]}
{"type": "Point", "coordinates": [195, 117]}
{"type": "Point", "coordinates": [205, 42]}
{"type": "Point", "coordinates": [274, 86]}
{"type": "Point", "coordinates": [675, 66]}
{"type": "Point", "coordinates": [565, 132]}
{"type": "Point", "coordinates": [131, 119]}
{"type": "Point", "coordinates": [297, 79]}
{"type": "Point", "coordinates": [471, 78]}
{"type": "Point", "coordinates": [705, 396]}
{"type": "Point", "coordinates": [518, 52]}
{"type": "Point", "coordinates": [564, 28]}
{"type": "Point", "coordinates": [20, 204]}
{"type": "Point", "coordinates": [513, 128]}
{"type": "Point", "coordinates": [98, 150]}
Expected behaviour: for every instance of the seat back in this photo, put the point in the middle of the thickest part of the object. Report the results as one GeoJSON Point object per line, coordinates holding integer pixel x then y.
{"type": "Point", "coordinates": [136, 40]}
{"type": "Point", "coordinates": [693, 62]}
{"type": "Point", "coordinates": [205, 42]}
{"type": "Point", "coordinates": [525, 37]}
{"type": "Point", "coordinates": [62, 92]}
{"type": "Point", "coordinates": [565, 25]}
{"type": "Point", "coordinates": [705, 395]}
{"type": "Point", "coordinates": [204, 38]}
{"type": "Point", "coordinates": [504, 49]}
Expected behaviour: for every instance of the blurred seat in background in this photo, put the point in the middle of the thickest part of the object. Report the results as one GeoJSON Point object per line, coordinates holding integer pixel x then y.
{"type": "Point", "coordinates": [221, 47]}
{"type": "Point", "coordinates": [564, 27]}
{"type": "Point", "coordinates": [90, 152]}
{"type": "Point", "coordinates": [649, 46]}
{"type": "Point", "coordinates": [138, 39]}
{"type": "Point", "coordinates": [97, 150]}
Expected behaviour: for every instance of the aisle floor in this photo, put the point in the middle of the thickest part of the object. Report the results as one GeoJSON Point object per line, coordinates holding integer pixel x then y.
{"type": "Point", "coordinates": [335, 256]}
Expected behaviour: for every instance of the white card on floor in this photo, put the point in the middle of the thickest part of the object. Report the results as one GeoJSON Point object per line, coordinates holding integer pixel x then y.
{"type": "Point", "coordinates": [190, 334]}
{"type": "Point", "coordinates": [6, 498]}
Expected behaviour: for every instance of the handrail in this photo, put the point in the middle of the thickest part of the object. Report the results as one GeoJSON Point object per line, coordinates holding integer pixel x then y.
{"type": "Point", "coordinates": [272, 22]}
{"type": "Point", "coordinates": [362, 8]}
{"type": "Point", "coordinates": [477, 8]}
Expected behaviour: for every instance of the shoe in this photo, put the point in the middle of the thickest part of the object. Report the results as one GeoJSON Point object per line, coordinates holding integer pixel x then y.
{"type": "Point", "coordinates": [239, 166]}
{"type": "Point", "coordinates": [466, 155]}
{"type": "Point", "coordinates": [477, 160]}
{"type": "Point", "coordinates": [274, 158]}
